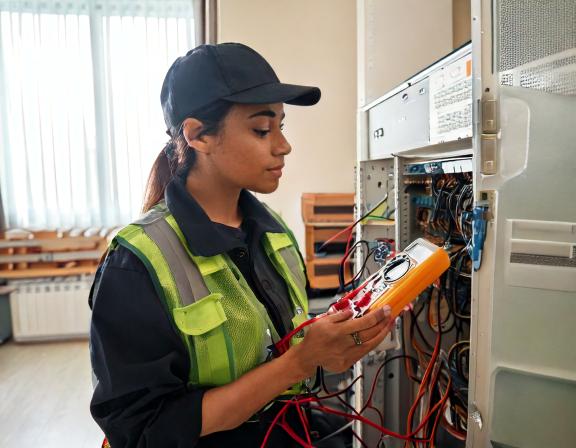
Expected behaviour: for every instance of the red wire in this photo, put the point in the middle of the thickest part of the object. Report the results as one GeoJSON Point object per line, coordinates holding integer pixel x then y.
{"type": "Point", "coordinates": [408, 437]}
{"type": "Point", "coordinates": [346, 254]}
{"type": "Point", "coordinates": [440, 412]}
{"type": "Point", "coordinates": [423, 383]}
{"type": "Point", "coordinates": [363, 420]}
{"type": "Point", "coordinates": [434, 384]}
{"type": "Point", "coordinates": [453, 431]}
{"type": "Point", "coordinates": [350, 229]}
{"type": "Point", "coordinates": [295, 436]}
{"type": "Point", "coordinates": [280, 414]}
{"type": "Point", "coordinates": [284, 344]}
{"type": "Point", "coordinates": [349, 241]}
{"type": "Point", "coordinates": [304, 421]}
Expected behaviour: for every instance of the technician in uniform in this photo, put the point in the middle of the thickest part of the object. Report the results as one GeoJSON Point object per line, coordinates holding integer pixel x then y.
{"type": "Point", "coordinates": [190, 297]}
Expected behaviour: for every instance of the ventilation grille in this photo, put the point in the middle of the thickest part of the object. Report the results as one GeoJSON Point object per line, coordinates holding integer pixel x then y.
{"type": "Point", "coordinates": [553, 74]}
{"type": "Point", "coordinates": [542, 260]}
{"type": "Point", "coordinates": [537, 45]}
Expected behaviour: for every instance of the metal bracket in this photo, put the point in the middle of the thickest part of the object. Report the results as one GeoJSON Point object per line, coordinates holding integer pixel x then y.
{"type": "Point", "coordinates": [474, 415]}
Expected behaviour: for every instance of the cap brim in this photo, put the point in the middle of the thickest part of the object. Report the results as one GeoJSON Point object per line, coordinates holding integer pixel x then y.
{"type": "Point", "coordinates": [277, 93]}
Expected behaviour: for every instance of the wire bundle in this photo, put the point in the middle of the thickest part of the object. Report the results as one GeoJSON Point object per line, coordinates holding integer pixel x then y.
{"type": "Point", "coordinates": [315, 401]}
{"type": "Point", "coordinates": [435, 340]}
{"type": "Point", "coordinates": [444, 211]}
{"type": "Point", "coordinates": [445, 309]}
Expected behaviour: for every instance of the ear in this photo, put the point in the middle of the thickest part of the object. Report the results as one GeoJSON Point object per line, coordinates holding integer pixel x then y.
{"type": "Point", "coordinates": [191, 129]}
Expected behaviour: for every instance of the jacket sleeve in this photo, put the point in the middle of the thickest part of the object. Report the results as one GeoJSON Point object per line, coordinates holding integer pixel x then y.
{"type": "Point", "coordinates": [141, 365]}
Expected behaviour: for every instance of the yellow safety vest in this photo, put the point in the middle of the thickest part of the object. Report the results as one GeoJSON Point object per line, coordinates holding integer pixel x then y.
{"type": "Point", "coordinates": [226, 329]}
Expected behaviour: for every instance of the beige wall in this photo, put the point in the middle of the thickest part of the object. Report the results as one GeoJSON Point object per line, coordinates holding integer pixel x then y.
{"type": "Point", "coordinates": [461, 22]}
{"type": "Point", "coordinates": [311, 42]}
{"type": "Point", "coordinates": [397, 39]}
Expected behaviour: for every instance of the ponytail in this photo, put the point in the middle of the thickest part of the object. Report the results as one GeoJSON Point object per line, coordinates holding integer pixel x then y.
{"type": "Point", "coordinates": [159, 176]}
{"type": "Point", "coordinates": [177, 158]}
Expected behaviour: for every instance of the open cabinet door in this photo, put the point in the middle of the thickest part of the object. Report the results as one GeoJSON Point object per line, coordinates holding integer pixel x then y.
{"type": "Point", "coordinates": [523, 339]}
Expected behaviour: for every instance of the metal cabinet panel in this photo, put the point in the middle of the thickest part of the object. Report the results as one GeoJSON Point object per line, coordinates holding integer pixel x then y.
{"type": "Point", "coordinates": [400, 122]}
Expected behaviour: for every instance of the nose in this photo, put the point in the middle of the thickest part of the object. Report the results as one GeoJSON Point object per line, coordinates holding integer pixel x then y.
{"type": "Point", "coordinates": [281, 146]}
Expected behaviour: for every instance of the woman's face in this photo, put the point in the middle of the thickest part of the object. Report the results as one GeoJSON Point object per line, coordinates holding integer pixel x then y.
{"type": "Point", "coordinates": [250, 148]}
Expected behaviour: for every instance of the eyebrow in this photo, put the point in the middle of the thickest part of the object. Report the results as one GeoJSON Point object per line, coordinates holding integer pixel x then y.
{"type": "Point", "coordinates": [266, 113]}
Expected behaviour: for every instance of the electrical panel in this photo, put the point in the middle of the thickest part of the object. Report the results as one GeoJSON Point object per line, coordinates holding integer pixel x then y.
{"type": "Point", "coordinates": [431, 197]}
{"type": "Point", "coordinates": [473, 154]}
{"type": "Point", "coordinates": [432, 107]}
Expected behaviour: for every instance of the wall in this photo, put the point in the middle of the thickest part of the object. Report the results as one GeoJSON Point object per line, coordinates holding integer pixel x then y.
{"type": "Point", "coordinates": [311, 43]}
{"type": "Point", "coordinates": [461, 22]}
{"type": "Point", "coordinates": [397, 39]}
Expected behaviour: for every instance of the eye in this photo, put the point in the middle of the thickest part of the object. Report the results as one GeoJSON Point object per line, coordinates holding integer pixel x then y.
{"type": "Point", "coordinates": [262, 132]}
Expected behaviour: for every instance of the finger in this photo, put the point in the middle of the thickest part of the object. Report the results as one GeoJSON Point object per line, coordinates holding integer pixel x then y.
{"type": "Point", "coordinates": [369, 320]}
{"type": "Point", "coordinates": [366, 335]}
{"type": "Point", "coordinates": [391, 324]}
{"type": "Point", "coordinates": [340, 316]}
{"type": "Point", "coordinates": [372, 343]}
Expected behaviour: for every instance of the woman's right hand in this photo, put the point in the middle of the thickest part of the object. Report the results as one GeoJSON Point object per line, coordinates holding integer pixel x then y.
{"type": "Point", "coordinates": [329, 342]}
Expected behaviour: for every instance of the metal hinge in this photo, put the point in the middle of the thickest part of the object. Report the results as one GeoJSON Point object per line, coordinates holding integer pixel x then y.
{"type": "Point", "coordinates": [489, 143]}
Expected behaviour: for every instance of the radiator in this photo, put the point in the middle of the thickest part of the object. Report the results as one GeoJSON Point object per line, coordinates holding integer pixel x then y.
{"type": "Point", "coordinates": [50, 308]}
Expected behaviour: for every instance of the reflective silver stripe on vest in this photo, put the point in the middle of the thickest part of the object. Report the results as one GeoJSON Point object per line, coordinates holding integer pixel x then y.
{"type": "Point", "coordinates": [291, 258]}
{"type": "Point", "coordinates": [186, 275]}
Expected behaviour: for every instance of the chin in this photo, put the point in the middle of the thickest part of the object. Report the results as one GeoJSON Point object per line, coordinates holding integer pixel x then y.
{"type": "Point", "coordinates": [264, 188]}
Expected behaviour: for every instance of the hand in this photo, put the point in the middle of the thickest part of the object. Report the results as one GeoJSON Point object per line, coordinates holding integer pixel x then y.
{"type": "Point", "coordinates": [329, 342]}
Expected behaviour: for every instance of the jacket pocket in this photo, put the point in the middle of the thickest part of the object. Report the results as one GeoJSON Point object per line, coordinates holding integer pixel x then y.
{"type": "Point", "coordinates": [205, 322]}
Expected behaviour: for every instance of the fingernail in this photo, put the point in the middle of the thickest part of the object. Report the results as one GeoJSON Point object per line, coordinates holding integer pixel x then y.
{"type": "Point", "coordinates": [387, 310]}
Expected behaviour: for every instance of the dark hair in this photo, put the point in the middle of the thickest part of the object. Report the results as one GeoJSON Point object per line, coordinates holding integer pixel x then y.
{"type": "Point", "coordinates": [177, 158]}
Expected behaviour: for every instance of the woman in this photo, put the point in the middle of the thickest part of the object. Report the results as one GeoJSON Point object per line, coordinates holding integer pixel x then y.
{"type": "Point", "coordinates": [190, 298]}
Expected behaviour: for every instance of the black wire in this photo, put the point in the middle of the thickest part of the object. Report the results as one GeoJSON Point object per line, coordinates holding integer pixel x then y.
{"type": "Point", "coordinates": [414, 322]}
{"type": "Point", "coordinates": [380, 369]}
{"type": "Point", "coordinates": [359, 274]}
{"type": "Point", "coordinates": [341, 266]}
{"type": "Point", "coordinates": [404, 352]}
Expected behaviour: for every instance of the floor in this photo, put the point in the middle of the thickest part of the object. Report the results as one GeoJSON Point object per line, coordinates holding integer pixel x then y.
{"type": "Point", "coordinates": [45, 390]}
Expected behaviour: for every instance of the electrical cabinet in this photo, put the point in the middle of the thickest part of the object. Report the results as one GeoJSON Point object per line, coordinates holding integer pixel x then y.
{"type": "Point", "coordinates": [476, 153]}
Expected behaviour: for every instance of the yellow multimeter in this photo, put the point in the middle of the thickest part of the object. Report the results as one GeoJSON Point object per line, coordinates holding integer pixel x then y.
{"type": "Point", "coordinates": [400, 280]}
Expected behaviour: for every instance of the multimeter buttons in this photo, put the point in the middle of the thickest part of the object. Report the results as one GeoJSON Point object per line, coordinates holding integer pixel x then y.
{"type": "Point", "coordinates": [396, 268]}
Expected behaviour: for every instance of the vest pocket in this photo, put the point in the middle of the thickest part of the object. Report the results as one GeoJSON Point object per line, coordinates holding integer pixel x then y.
{"type": "Point", "coordinates": [205, 323]}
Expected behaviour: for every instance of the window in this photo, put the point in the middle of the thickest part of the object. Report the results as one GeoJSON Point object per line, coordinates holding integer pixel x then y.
{"type": "Point", "coordinates": [80, 115]}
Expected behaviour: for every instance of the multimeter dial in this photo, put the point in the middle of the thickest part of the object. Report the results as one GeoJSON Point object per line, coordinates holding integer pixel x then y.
{"type": "Point", "coordinates": [397, 268]}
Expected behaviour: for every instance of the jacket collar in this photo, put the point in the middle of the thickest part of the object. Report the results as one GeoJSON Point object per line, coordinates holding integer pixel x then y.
{"type": "Point", "coordinates": [204, 237]}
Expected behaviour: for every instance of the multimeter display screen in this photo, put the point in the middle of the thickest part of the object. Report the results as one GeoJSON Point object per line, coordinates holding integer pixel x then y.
{"type": "Point", "coordinates": [419, 252]}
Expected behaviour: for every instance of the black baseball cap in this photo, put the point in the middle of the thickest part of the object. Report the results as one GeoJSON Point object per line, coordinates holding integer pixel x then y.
{"type": "Point", "coordinates": [231, 72]}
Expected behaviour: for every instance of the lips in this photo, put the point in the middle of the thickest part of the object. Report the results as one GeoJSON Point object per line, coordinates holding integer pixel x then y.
{"type": "Point", "coordinates": [276, 170]}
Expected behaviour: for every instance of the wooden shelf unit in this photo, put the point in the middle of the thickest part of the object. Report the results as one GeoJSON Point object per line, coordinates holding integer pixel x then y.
{"type": "Point", "coordinates": [324, 215]}
{"type": "Point", "coordinates": [28, 254]}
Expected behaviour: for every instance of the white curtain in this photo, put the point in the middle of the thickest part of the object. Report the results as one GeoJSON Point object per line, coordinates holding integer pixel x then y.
{"type": "Point", "coordinates": [80, 115]}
